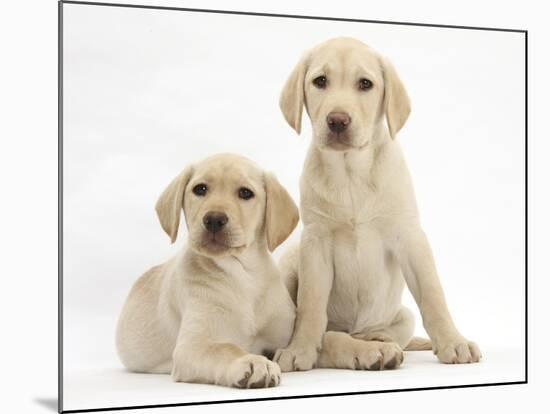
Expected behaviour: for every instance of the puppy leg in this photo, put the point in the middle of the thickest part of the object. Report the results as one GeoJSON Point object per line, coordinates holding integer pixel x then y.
{"type": "Point", "coordinates": [418, 267]}
{"type": "Point", "coordinates": [223, 364]}
{"type": "Point", "coordinates": [399, 331]}
{"type": "Point", "coordinates": [143, 344]}
{"type": "Point", "coordinates": [341, 350]}
{"type": "Point", "coordinates": [206, 351]}
{"type": "Point", "coordinates": [315, 281]}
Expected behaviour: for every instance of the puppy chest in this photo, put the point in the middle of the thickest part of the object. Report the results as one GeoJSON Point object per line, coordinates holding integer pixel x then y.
{"type": "Point", "coordinates": [252, 305]}
{"type": "Point", "coordinates": [261, 326]}
{"type": "Point", "coordinates": [366, 285]}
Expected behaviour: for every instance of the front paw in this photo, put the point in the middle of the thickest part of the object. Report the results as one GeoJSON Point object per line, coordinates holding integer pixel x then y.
{"type": "Point", "coordinates": [253, 371]}
{"type": "Point", "coordinates": [457, 351]}
{"type": "Point", "coordinates": [378, 356]}
{"type": "Point", "coordinates": [296, 358]}
{"type": "Point", "coordinates": [344, 352]}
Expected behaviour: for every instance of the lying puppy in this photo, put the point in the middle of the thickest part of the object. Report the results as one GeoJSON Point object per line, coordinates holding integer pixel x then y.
{"type": "Point", "coordinates": [205, 314]}
{"type": "Point", "coordinates": [362, 238]}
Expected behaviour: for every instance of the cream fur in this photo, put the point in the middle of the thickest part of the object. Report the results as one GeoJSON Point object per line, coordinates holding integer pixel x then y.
{"type": "Point", "coordinates": [362, 238]}
{"type": "Point", "coordinates": [207, 314]}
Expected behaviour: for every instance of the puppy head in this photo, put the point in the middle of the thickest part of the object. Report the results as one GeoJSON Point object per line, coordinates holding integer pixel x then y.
{"type": "Point", "coordinates": [347, 88]}
{"type": "Point", "coordinates": [229, 204]}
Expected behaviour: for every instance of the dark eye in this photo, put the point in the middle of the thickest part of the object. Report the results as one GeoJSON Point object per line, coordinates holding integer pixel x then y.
{"type": "Point", "coordinates": [365, 84]}
{"type": "Point", "coordinates": [245, 193]}
{"type": "Point", "coordinates": [200, 189]}
{"type": "Point", "coordinates": [320, 82]}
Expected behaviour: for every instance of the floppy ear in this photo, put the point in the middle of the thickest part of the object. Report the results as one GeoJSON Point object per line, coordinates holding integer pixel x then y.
{"type": "Point", "coordinates": [281, 213]}
{"type": "Point", "coordinates": [170, 204]}
{"type": "Point", "coordinates": [291, 101]}
{"type": "Point", "coordinates": [397, 105]}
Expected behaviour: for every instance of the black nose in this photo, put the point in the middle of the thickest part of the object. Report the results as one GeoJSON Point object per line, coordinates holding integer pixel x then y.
{"type": "Point", "coordinates": [338, 121]}
{"type": "Point", "coordinates": [214, 221]}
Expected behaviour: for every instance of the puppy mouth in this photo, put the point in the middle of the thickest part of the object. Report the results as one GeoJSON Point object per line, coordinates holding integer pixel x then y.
{"type": "Point", "coordinates": [341, 142]}
{"type": "Point", "coordinates": [215, 239]}
{"type": "Point", "coordinates": [216, 242]}
{"type": "Point", "coordinates": [338, 145]}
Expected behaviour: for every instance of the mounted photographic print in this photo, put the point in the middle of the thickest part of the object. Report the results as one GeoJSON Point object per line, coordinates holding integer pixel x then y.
{"type": "Point", "coordinates": [259, 206]}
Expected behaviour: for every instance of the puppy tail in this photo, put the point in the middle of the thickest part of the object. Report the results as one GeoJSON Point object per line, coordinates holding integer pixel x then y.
{"type": "Point", "coordinates": [419, 344]}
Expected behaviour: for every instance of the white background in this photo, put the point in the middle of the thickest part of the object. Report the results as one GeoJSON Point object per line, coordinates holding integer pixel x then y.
{"type": "Point", "coordinates": [147, 91]}
{"type": "Point", "coordinates": [31, 158]}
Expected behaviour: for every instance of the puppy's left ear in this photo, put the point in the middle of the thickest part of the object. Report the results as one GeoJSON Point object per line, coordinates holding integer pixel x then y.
{"type": "Point", "coordinates": [397, 104]}
{"type": "Point", "coordinates": [281, 213]}
{"type": "Point", "coordinates": [170, 203]}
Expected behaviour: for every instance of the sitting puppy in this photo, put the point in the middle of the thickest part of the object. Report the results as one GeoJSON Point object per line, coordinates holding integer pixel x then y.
{"type": "Point", "coordinates": [362, 238]}
{"type": "Point", "coordinates": [206, 314]}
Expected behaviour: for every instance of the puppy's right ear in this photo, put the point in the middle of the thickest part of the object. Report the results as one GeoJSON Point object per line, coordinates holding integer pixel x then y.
{"type": "Point", "coordinates": [291, 101]}
{"type": "Point", "coordinates": [170, 203]}
{"type": "Point", "coordinates": [281, 213]}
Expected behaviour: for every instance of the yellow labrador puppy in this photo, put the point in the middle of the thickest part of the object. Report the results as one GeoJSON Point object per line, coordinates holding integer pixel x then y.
{"type": "Point", "coordinates": [362, 238]}
{"type": "Point", "coordinates": [206, 314]}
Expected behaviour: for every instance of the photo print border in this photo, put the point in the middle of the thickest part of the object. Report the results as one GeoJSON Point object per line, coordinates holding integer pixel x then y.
{"type": "Point", "coordinates": [274, 15]}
